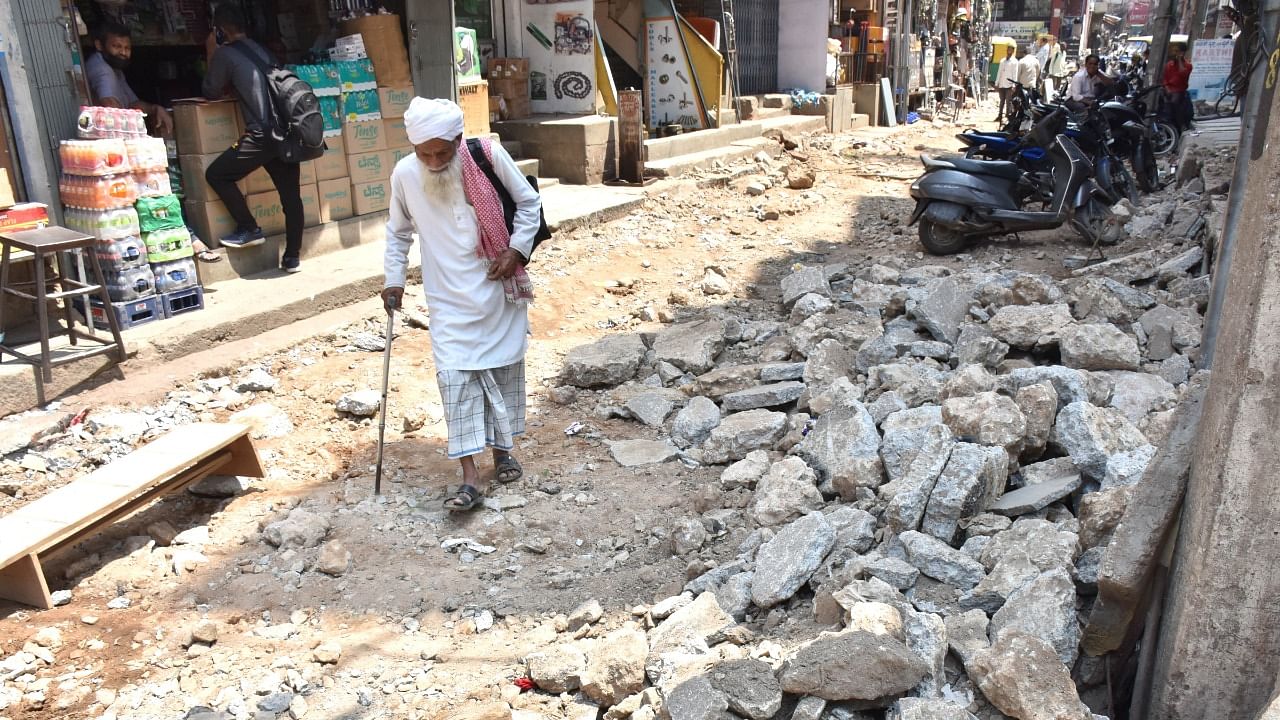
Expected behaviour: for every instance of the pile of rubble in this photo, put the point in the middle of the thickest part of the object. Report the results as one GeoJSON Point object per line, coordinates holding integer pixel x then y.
{"type": "Point", "coordinates": [930, 466]}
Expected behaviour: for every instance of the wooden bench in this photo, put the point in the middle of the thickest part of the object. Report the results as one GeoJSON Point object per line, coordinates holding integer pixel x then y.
{"type": "Point", "coordinates": [73, 512]}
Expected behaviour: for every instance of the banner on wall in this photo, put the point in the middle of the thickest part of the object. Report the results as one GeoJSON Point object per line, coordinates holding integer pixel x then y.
{"type": "Point", "coordinates": [1210, 67]}
{"type": "Point", "coordinates": [560, 42]}
{"type": "Point", "coordinates": [668, 80]}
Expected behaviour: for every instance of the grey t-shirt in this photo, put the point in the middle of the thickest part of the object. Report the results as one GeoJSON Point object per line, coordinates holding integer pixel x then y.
{"type": "Point", "coordinates": [229, 66]}
{"type": "Point", "coordinates": [108, 82]}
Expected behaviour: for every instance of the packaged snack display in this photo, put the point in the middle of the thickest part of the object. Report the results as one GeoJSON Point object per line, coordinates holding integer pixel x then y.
{"type": "Point", "coordinates": [168, 244]}
{"type": "Point", "coordinates": [361, 105]}
{"type": "Point", "coordinates": [331, 111]}
{"type": "Point", "coordinates": [131, 284]}
{"type": "Point", "coordinates": [147, 153]}
{"type": "Point", "coordinates": [94, 157]}
{"type": "Point", "coordinates": [98, 193]}
{"type": "Point", "coordinates": [103, 122]}
{"type": "Point", "coordinates": [159, 213]}
{"type": "Point", "coordinates": [175, 275]}
{"type": "Point", "coordinates": [356, 75]}
{"type": "Point", "coordinates": [103, 224]}
{"type": "Point", "coordinates": [121, 254]}
{"type": "Point", "coordinates": [152, 183]}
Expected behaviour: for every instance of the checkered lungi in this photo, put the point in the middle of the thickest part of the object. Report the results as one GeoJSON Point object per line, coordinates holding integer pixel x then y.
{"type": "Point", "coordinates": [482, 408]}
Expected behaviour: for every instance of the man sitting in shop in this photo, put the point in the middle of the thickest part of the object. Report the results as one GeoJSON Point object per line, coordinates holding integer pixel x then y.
{"type": "Point", "coordinates": [234, 62]}
{"type": "Point", "coordinates": [105, 72]}
{"type": "Point", "coordinates": [1088, 81]}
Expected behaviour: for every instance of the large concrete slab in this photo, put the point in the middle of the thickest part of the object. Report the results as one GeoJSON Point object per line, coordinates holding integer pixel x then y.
{"type": "Point", "coordinates": [681, 164]}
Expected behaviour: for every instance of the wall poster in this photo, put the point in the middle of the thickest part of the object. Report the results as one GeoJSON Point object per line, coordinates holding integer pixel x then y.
{"type": "Point", "coordinates": [669, 90]}
{"type": "Point", "coordinates": [560, 43]}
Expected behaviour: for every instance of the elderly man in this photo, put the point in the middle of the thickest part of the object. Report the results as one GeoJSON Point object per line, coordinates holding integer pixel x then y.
{"type": "Point", "coordinates": [475, 284]}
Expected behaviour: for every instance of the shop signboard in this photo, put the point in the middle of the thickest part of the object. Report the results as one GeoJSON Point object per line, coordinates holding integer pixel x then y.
{"type": "Point", "coordinates": [1140, 12]}
{"type": "Point", "coordinates": [1211, 64]}
{"type": "Point", "coordinates": [559, 39]}
{"type": "Point", "coordinates": [1023, 31]}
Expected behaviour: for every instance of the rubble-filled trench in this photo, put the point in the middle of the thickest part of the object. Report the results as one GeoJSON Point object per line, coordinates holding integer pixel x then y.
{"type": "Point", "coordinates": [780, 464]}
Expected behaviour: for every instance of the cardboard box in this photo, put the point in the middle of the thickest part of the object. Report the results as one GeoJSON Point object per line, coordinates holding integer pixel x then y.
{"type": "Point", "coordinates": [371, 197]}
{"type": "Point", "coordinates": [6, 190]}
{"type": "Point", "coordinates": [210, 220]}
{"type": "Point", "coordinates": [395, 132]}
{"type": "Point", "coordinates": [268, 211]}
{"type": "Point", "coordinates": [363, 137]}
{"type": "Point", "coordinates": [310, 205]}
{"type": "Point", "coordinates": [194, 186]}
{"type": "Point", "coordinates": [369, 167]}
{"type": "Point", "coordinates": [335, 199]}
{"type": "Point", "coordinates": [333, 164]}
{"type": "Point", "coordinates": [204, 127]}
{"type": "Point", "coordinates": [307, 174]}
{"type": "Point", "coordinates": [395, 155]}
{"type": "Point", "coordinates": [394, 101]}
{"type": "Point", "coordinates": [257, 181]}
{"type": "Point", "coordinates": [507, 67]}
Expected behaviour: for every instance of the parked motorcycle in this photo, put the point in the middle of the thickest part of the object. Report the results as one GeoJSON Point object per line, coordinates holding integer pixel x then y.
{"type": "Point", "coordinates": [959, 200]}
{"type": "Point", "coordinates": [1089, 127]}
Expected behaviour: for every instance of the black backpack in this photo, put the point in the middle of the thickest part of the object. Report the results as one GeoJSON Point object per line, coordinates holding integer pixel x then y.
{"type": "Point", "coordinates": [300, 137]}
{"type": "Point", "coordinates": [508, 203]}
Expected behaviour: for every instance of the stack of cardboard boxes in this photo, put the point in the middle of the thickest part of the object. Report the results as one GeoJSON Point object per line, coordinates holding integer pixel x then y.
{"type": "Point", "coordinates": [509, 84]}
{"type": "Point", "coordinates": [351, 178]}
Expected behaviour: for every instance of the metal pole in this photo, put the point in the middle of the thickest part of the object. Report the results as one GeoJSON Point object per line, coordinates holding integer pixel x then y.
{"type": "Point", "coordinates": [905, 31]}
{"type": "Point", "coordinates": [1160, 33]}
{"type": "Point", "coordinates": [1254, 106]}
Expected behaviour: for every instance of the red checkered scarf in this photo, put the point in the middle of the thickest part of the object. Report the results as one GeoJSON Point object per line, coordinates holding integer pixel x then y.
{"type": "Point", "coordinates": [494, 238]}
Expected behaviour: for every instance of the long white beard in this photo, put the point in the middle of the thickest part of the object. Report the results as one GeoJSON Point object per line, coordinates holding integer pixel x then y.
{"type": "Point", "coordinates": [445, 182]}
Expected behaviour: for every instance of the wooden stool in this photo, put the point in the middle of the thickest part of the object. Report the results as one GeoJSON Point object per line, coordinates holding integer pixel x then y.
{"type": "Point", "coordinates": [57, 241]}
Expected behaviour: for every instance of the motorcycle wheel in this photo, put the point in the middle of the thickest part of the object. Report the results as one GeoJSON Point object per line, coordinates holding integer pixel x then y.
{"type": "Point", "coordinates": [1164, 138]}
{"type": "Point", "coordinates": [1115, 179]}
{"type": "Point", "coordinates": [940, 239]}
{"type": "Point", "coordinates": [1145, 170]}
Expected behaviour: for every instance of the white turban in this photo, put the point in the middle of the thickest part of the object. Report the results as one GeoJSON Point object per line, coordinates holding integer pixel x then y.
{"type": "Point", "coordinates": [432, 119]}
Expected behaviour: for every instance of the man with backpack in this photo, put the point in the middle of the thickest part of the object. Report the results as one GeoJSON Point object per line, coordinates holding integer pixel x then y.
{"type": "Point", "coordinates": [238, 63]}
{"type": "Point", "coordinates": [477, 219]}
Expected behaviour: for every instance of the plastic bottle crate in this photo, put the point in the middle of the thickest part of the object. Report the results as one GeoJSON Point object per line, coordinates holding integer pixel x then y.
{"type": "Point", "coordinates": [182, 301]}
{"type": "Point", "coordinates": [128, 314]}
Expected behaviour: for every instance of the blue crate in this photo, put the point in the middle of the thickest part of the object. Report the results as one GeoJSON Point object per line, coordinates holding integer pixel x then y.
{"type": "Point", "coordinates": [128, 314]}
{"type": "Point", "coordinates": [182, 301]}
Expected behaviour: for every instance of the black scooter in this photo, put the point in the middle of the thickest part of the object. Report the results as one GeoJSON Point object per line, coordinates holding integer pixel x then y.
{"type": "Point", "coordinates": [959, 200]}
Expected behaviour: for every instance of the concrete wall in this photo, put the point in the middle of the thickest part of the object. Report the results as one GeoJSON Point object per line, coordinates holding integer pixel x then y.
{"type": "Point", "coordinates": [802, 44]}
{"type": "Point", "coordinates": [1219, 650]}
{"type": "Point", "coordinates": [580, 150]}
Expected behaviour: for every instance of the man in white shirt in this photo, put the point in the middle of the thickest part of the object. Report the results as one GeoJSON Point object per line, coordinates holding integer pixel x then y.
{"type": "Point", "coordinates": [475, 284]}
{"type": "Point", "coordinates": [1087, 81]}
{"type": "Point", "coordinates": [1029, 71]}
{"type": "Point", "coordinates": [1005, 77]}
{"type": "Point", "coordinates": [1042, 53]}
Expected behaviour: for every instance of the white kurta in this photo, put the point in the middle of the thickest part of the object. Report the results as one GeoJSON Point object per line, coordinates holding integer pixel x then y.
{"type": "Point", "coordinates": [473, 327]}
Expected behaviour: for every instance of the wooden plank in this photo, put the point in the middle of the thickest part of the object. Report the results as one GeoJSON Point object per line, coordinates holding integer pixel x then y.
{"type": "Point", "coordinates": [23, 581]}
{"type": "Point", "coordinates": [106, 490]}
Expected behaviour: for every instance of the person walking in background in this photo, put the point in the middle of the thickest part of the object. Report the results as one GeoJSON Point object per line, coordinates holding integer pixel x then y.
{"type": "Point", "coordinates": [474, 280]}
{"type": "Point", "coordinates": [1176, 78]}
{"type": "Point", "coordinates": [1029, 72]}
{"type": "Point", "coordinates": [1005, 77]}
{"type": "Point", "coordinates": [235, 64]}
{"type": "Point", "coordinates": [1056, 72]}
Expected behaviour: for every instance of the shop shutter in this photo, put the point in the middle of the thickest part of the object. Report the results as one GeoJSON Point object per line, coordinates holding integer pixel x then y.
{"type": "Point", "coordinates": [757, 35]}
{"type": "Point", "coordinates": [42, 25]}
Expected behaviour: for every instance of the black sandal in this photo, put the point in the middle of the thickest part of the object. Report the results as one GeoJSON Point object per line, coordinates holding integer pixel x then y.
{"type": "Point", "coordinates": [507, 470]}
{"type": "Point", "coordinates": [467, 497]}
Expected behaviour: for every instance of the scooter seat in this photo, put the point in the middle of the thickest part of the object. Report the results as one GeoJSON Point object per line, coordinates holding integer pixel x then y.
{"type": "Point", "coordinates": [995, 168]}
